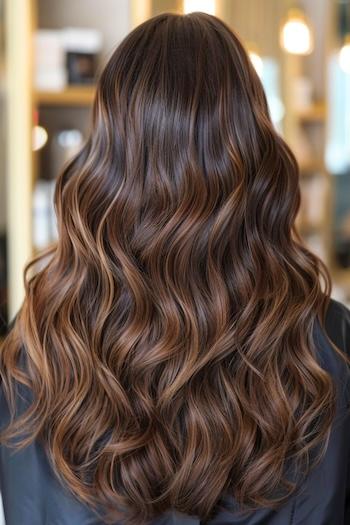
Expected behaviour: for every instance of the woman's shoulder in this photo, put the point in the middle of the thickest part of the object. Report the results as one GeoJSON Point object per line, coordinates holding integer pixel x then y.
{"type": "Point", "coordinates": [338, 309]}
{"type": "Point", "coordinates": [337, 324]}
{"type": "Point", "coordinates": [336, 328]}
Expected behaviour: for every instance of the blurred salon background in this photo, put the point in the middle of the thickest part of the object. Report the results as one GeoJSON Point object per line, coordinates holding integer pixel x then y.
{"type": "Point", "coordinates": [52, 51]}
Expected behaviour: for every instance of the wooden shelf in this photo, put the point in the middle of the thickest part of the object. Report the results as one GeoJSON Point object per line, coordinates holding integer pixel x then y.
{"type": "Point", "coordinates": [306, 228]}
{"type": "Point", "coordinates": [341, 276]}
{"type": "Point", "coordinates": [71, 96]}
{"type": "Point", "coordinates": [312, 166]}
{"type": "Point", "coordinates": [314, 113]}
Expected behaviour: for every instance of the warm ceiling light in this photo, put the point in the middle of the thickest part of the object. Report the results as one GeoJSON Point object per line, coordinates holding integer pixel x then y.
{"type": "Point", "coordinates": [344, 55]}
{"type": "Point", "coordinates": [206, 6]}
{"type": "Point", "coordinates": [256, 61]}
{"type": "Point", "coordinates": [255, 57]}
{"type": "Point", "coordinates": [296, 36]}
{"type": "Point", "coordinates": [39, 137]}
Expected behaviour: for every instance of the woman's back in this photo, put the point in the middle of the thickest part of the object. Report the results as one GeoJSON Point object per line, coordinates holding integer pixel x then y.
{"type": "Point", "coordinates": [170, 351]}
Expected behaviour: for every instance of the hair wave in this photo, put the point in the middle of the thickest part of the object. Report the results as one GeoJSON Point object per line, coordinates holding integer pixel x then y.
{"type": "Point", "coordinates": [168, 338]}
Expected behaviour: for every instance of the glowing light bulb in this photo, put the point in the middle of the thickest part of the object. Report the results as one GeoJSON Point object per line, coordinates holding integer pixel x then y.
{"type": "Point", "coordinates": [39, 137]}
{"type": "Point", "coordinates": [296, 36]}
{"type": "Point", "coordinates": [206, 6]}
{"type": "Point", "coordinates": [344, 55]}
{"type": "Point", "coordinates": [256, 61]}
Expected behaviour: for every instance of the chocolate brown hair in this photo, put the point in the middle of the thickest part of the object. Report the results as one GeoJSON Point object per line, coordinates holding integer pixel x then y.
{"type": "Point", "coordinates": [168, 339]}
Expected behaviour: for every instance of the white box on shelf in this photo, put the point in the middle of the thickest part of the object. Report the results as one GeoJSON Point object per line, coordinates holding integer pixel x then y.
{"type": "Point", "coordinates": [83, 40]}
{"type": "Point", "coordinates": [49, 60]}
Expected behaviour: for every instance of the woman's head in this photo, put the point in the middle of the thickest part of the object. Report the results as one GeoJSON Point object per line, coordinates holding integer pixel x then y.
{"type": "Point", "coordinates": [169, 339]}
{"type": "Point", "coordinates": [181, 123]}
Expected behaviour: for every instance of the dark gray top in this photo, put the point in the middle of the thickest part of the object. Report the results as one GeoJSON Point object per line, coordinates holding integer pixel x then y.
{"type": "Point", "coordinates": [32, 495]}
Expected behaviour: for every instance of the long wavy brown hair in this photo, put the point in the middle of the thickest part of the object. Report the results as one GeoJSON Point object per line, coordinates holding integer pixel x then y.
{"type": "Point", "coordinates": [168, 338]}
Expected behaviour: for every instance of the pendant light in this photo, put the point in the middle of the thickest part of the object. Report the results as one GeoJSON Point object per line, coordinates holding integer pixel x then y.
{"type": "Point", "coordinates": [344, 55]}
{"type": "Point", "coordinates": [206, 6]}
{"type": "Point", "coordinates": [257, 62]}
{"type": "Point", "coordinates": [296, 35]}
{"type": "Point", "coordinates": [39, 134]}
{"type": "Point", "coordinates": [255, 57]}
{"type": "Point", "coordinates": [344, 34]}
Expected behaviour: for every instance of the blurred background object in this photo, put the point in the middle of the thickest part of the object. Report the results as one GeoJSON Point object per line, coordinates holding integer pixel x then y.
{"type": "Point", "coordinates": [50, 56]}
{"type": "Point", "coordinates": [65, 56]}
{"type": "Point", "coordinates": [296, 35]}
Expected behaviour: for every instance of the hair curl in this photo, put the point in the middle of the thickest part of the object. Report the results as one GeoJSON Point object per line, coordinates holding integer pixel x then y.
{"type": "Point", "coordinates": [169, 336]}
